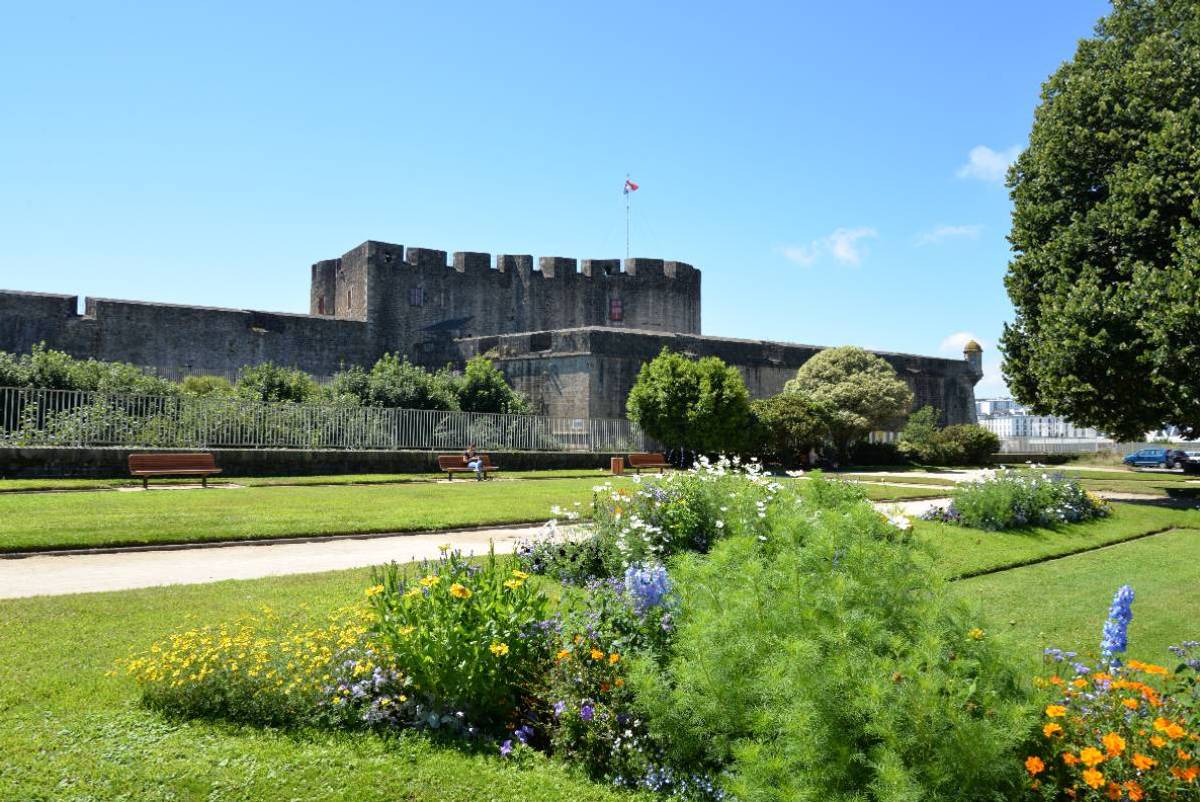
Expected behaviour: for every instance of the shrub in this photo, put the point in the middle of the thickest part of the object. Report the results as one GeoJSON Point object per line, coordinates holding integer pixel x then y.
{"type": "Point", "coordinates": [789, 426]}
{"type": "Point", "coordinates": [206, 385]}
{"type": "Point", "coordinates": [483, 388]}
{"type": "Point", "coordinates": [1006, 499]}
{"type": "Point", "coordinates": [259, 669]}
{"type": "Point", "coordinates": [865, 453]}
{"type": "Point", "coordinates": [270, 382]}
{"type": "Point", "coordinates": [919, 432]}
{"type": "Point", "coordinates": [965, 444]}
{"type": "Point", "coordinates": [467, 636]}
{"type": "Point", "coordinates": [1117, 730]}
{"type": "Point", "coordinates": [825, 659]}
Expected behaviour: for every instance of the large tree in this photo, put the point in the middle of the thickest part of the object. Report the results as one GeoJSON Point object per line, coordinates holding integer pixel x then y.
{"type": "Point", "coordinates": [860, 391]}
{"type": "Point", "coordinates": [701, 405]}
{"type": "Point", "coordinates": [1106, 274]}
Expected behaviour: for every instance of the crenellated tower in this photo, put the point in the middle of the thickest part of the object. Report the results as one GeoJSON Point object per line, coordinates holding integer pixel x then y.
{"type": "Point", "coordinates": [414, 298]}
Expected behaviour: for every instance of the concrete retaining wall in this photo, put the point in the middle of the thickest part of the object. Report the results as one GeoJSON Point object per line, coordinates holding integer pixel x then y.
{"type": "Point", "coordinates": [36, 463]}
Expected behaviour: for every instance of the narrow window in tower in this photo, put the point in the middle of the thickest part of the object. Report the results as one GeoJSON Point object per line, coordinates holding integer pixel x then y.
{"type": "Point", "coordinates": [616, 311]}
{"type": "Point", "coordinates": [321, 305]}
{"type": "Point", "coordinates": [416, 296]}
{"type": "Point", "coordinates": [349, 299]}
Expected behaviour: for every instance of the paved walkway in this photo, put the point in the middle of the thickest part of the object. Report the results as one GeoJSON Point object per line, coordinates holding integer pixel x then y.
{"type": "Point", "coordinates": [59, 574]}
{"type": "Point", "coordinates": [83, 573]}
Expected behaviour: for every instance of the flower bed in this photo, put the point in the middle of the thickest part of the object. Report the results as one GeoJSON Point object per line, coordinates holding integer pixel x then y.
{"type": "Point", "coordinates": [1007, 499]}
{"type": "Point", "coordinates": [1118, 730]}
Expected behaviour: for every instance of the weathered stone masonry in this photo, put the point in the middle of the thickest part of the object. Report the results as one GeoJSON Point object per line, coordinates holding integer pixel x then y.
{"type": "Point", "coordinates": [570, 335]}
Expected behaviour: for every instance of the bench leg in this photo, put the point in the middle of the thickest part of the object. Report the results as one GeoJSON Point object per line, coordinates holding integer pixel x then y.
{"type": "Point", "coordinates": [449, 476]}
{"type": "Point", "coordinates": [145, 483]}
{"type": "Point", "coordinates": [204, 482]}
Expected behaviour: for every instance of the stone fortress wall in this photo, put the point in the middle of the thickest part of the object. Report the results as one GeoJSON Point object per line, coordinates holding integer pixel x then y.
{"type": "Point", "coordinates": [570, 335]}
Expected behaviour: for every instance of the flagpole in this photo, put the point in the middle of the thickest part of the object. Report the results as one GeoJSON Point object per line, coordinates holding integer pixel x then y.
{"type": "Point", "coordinates": [626, 188]}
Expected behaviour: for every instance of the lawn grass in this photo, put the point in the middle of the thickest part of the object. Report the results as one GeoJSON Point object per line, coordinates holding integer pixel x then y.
{"type": "Point", "coordinates": [901, 480]}
{"type": "Point", "coordinates": [72, 520]}
{"type": "Point", "coordinates": [40, 521]}
{"type": "Point", "coordinates": [28, 485]}
{"type": "Point", "coordinates": [1063, 603]}
{"type": "Point", "coordinates": [69, 732]}
{"type": "Point", "coordinates": [963, 552]}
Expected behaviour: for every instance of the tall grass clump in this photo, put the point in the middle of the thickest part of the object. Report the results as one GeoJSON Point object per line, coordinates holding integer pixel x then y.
{"type": "Point", "coordinates": [1007, 499]}
{"type": "Point", "coordinates": [823, 659]}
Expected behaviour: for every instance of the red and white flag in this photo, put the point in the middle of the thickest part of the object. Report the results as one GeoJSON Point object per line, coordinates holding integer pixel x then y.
{"type": "Point", "coordinates": [630, 186]}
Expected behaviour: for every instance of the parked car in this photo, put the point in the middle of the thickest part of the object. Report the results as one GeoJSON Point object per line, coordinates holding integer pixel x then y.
{"type": "Point", "coordinates": [1192, 464]}
{"type": "Point", "coordinates": [1156, 458]}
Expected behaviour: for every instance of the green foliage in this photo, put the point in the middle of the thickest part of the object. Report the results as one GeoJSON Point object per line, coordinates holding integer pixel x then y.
{"type": "Point", "coordinates": [464, 635]}
{"type": "Point", "coordinates": [206, 385]}
{"type": "Point", "coordinates": [826, 660]}
{"type": "Point", "coordinates": [55, 370]}
{"type": "Point", "coordinates": [865, 452]}
{"type": "Point", "coordinates": [395, 382]}
{"type": "Point", "coordinates": [483, 388]}
{"type": "Point", "coordinates": [789, 426]}
{"type": "Point", "coordinates": [861, 391]}
{"type": "Point", "coordinates": [1105, 213]}
{"type": "Point", "coordinates": [960, 444]}
{"type": "Point", "coordinates": [270, 382]}
{"type": "Point", "coordinates": [1010, 499]}
{"type": "Point", "coordinates": [702, 405]}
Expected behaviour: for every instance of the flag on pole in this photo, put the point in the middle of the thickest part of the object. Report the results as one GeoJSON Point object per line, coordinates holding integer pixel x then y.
{"type": "Point", "coordinates": [630, 186]}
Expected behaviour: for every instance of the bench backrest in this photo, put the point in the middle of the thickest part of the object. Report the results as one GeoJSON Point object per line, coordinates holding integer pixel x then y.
{"type": "Point", "coordinates": [456, 461]}
{"type": "Point", "coordinates": [172, 462]}
{"type": "Point", "coordinates": [646, 459]}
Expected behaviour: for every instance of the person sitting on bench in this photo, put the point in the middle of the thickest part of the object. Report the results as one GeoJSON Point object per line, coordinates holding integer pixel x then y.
{"type": "Point", "coordinates": [474, 462]}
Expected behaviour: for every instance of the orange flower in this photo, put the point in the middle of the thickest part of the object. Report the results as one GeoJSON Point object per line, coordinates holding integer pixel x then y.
{"type": "Point", "coordinates": [620, 683]}
{"type": "Point", "coordinates": [1132, 704]}
{"type": "Point", "coordinates": [1161, 724]}
{"type": "Point", "coordinates": [1051, 729]}
{"type": "Point", "coordinates": [563, 654]}
{"type": "Point", "coordinates": [1187, 775]}
{"type": "Point", "coordinates": [1113, 743]}
{"type": "Point", "coordinates": [1174, 731]}
{"type": "Point", "coordinates": [1056, 711]}
{"type": "Point", "coordinates": [613, 658]}
{"type": "Point", "coordinates": [1114, 791]}
{"type": "Point", "coordinates": [1142, 762]}
{"type": "Point", "coordinates": [1182, 755]}
{"type": "Point", "coordinates": [1034, 765]}
{"type": "Point", "coordinates": [1069, 758]}
{"type": "Point", "coordinates": [597, 654]}
{"type": "Point", "coordinates": [1091, 756]}
{"type": "Point", "coordinates": [1136, 794]}
{"type": "Point", "coordinates": [1056, 680]}
{"type": "Point", "coordinates": [1158, 741]}
{"type": "Point", "coordinates": [1079, 682]}
{"type": "Point", "coordinates": [1093, 778]}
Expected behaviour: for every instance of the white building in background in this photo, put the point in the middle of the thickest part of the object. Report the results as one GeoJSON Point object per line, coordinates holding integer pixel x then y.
{"type": "Point", "coordinates": [1008, 419]}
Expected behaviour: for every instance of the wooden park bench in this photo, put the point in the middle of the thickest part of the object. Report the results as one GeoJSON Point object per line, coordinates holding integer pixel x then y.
{"type": "Point", "coordinates": [190, 464]}
{"type": "Point", "coordinates": [640, 462]}
{"type": "Point", "coordinates": [451, 464]}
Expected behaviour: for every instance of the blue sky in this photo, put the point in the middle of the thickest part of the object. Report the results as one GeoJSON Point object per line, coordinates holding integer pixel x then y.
{"type": "Point", "coordinates": [834, 170]}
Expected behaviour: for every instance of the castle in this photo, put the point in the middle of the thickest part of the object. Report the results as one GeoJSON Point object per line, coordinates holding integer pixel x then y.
{"type": "Point", "coordinates": [570, 335]}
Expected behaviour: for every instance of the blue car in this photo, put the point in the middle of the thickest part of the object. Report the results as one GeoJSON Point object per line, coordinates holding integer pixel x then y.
{"type": "Point", "coordinates": [1156, 458]}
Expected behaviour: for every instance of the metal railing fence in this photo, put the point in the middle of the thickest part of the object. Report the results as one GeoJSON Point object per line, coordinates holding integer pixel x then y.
{"type": "Point", "coordinates": [39, 417]}
{"type": "Point", "coordinates": [1061, 445]}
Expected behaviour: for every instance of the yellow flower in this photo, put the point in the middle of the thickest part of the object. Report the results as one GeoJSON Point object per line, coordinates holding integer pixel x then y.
{"type": "Point", "coordinates": [597, 654]}
{"type": "Point", "coordinates": [1132, 704]}
{"type": "Point", "coordinates": [1093, 778]}
{"type": "Point", "coordinates": [1080, 683]}
{"type": "Point", "coordinates": [374, 590]}
{"type": "Point", "coordinates": [406, 631]}
{"type": "Point", "coordinates": [430, 580]}
{"type": "Point", "coordinates": [521, 575]}
{"type": "Point", "coordinates": [460, 591]}
{"type": "Point", "coordinates": [1158, 741]}
{"type": "Point", "coordinates": [1142, 762]}
{"type": "Point", "coordinates": [499, 649]}
{"type": "Point", "coordinates": [413, 593]}
{"type": "Point", "coordinates": [563, 654]}
{"type": "Point", "coordinates": [613, 658]}
{"type": "Point", "coordinates": [443, 547]}
{"type": "Point", "coordinates": [513, 584]}
{"type": "Point", "coordinates": [1114, 743]}
{"type": "Point", "coordinates": [1091, 756]}
{"type": "Point", "coordinates": [1051, 729]}
{"type": "Point", "coordinates": [976, 634]}
{"type": "Point", "coordinates": [1056, 711]}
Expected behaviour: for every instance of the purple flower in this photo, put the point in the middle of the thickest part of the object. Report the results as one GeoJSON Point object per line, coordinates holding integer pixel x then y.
{"type": "Point", "coordinates": [1117, 625]}
{"type": "Point", "coordinates": [647, 586]}
{"type": "Point", "coordinates": [559, 707]}
{"type": "Point", "coordinates": [523, 733]}
{"type": "Point", "coordinates": [587, 712]}
{"type": "Point", "coordinates": [506, 748]}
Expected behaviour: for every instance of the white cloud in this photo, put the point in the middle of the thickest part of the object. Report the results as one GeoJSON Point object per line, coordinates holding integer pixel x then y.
{"type": "Point", "coordinates": [939, 234]}
{"type": "Point", "coordinates": [992, 384]}
{"type": "Point", "coordinates": [843, 245]}
{"type": "Point", "coordinates": [956, 342]}
{"type": "Point", "coordinates": [986, 164]}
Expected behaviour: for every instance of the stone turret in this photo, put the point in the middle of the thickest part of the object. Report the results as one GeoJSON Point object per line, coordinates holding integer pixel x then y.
{"type": "Point", "coordinates": [973, 353]}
